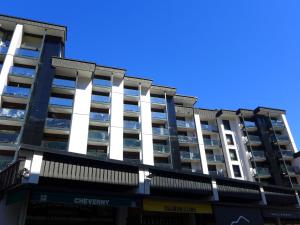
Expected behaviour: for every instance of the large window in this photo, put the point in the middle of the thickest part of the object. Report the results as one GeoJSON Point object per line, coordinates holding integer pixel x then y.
{"type": "Point", "coordinates": [233, 155]}
{"type": "Point", "coordinates": [236, 171]}
{"type": "Point", "coordinates": [229, 139]}
{"type": "Point", "coordinates": [226, 124]}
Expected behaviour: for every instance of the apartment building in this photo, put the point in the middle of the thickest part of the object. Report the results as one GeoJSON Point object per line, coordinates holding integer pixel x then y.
{"type": "Point", "coordinates": [83, 143]}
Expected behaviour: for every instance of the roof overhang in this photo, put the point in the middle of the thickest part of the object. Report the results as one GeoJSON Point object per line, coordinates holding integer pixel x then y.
{"type": "Point", "coordinates": [185, 100]}
{"type": "Point", "coordinates": [269, 111]}
{"type": "Point", "coordinates": [161, 90]}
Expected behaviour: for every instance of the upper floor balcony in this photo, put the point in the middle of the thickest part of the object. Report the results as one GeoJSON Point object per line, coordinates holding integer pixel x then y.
{"type": "Point", "coordinates": [131, 110]}
{"type": "Point", "coordinates": [12, 117]}
{"type": "Point", "coordinates": [60, 105]}
{"type": "Point", "coordinates": [102, 85]}
{"type": "Point", "coordinates": [161, 150]}
{"type": "Point", "coordinates": [215, 158]}
{"type": "Point", "coordinates": [132, 145]}
{"type": "Point", "coordinates": [183, 125]}
{"type": "Point", "coordinates": [21, 74]}
{"type": "Point", "coordinates": [258, 155]}
{"type": "Point", "coordinates": [3, 49]}
{"type": "Point", "coordinates": [16, 94]}
{"type": "Point", "coordinates": [187, 140]}
{"type": "Point", "coordinates": [163, 165]}
{"type": "Point", "coordinates": [218, 172]}
{"type": "Point", "coordinates": [100, 101]}
{"type": "Point", "coordinates": [131, 126]}
{"type": "Point", "coordinates": [189, 156]}
{"type": "Point", "coordinates": [211, 143]}
{"type": "Point", "coordinates": [95, 153]}
{"type": "Point", "coordinates": [281, 139]}
{"type": "Point", "coordinates": [131, 94]}
{"type": "Point", "coordinates": [57, 126]}
{"type": "Point", "coordinates": [262, 172]}
{"type": "Point", "coordinates": [158, 102]}
{"type": "Point", "coordinates": [55, 145]}
{"type": "Point", "coordinates": [98, 137]}
{"type": "Point", "coordinates": [277, 125]}
{"type": "Point", "coordinates": [288, 170]}
{"type": "Point", "coordinates": [250, 125]}
{"type": "Point", "coordinates": [254, 140]}
{"type": "Point", "coordinates": [160, 133]}
{"type": "Point", "coordinates": [101, 119]}
{"type": "Point", "coordinates": [159, 117]}
{"type": "Point", "coordinates": [27, 56]}
{"type": "Point", "coordinates": [8, 138]}
{"type": "Point", "coordinates": [208, 129]}
{"type": "Point", "coordinates": [63, 86]}
{"type": "Point", "coordinates": [286, 155]}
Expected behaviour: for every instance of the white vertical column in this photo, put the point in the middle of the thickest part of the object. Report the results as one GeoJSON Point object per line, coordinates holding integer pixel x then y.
{"type": "Point", "coordinates": [147, 139]}
{"type": "Point", "coordinates": [201, 144]}
{"type": "Point", "coordinates": [288, 130]}
{"type": "Point", "coordinates": [36, 165]}
{"type": "Point", "coordinates": [80, 118]}
{"type": "Point", "coordinates": [116, 119]}
{"type": "Point", "coordinates": [9, 59]}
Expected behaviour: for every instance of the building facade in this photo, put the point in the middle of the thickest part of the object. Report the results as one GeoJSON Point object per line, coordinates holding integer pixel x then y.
{"type": "Point", "coordinates": [82, 143]}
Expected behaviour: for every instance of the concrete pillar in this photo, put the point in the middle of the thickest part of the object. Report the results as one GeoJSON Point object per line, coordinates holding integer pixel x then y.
{"type": "Point", "coordinates": [9, 59]}
{"type": "Point", "coordinates": [263, 196]}
{"type": "Point", "coordinates": [144, 182]}
{"type": "Point", "coordinates": [36, 165]}
{"type": "Point", "coordinates": [80, 118]}
{"type": "Point", "coordinates": [201, 144]}
{"type": "Point", "coordinates": [116, 121]}
{"type": "Point", "coordinates": [146, 119]}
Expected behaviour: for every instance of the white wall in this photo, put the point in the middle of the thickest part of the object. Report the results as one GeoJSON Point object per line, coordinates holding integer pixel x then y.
{"type": "Point", "coordinates": [288, 130]}
{"type": "Point", "coordinates": [80, 117]}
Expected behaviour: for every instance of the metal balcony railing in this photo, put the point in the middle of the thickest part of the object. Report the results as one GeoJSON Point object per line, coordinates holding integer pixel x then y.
{"type": "Point", "coordinates": [6, 113]}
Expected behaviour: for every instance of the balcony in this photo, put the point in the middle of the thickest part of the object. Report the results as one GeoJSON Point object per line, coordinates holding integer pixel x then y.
{"type": "Point", "coordinates": [250, 126]}
{"type": "Point", "coordinates": [161, 150]}
{"type": "Point", "coordinates": [187, 140]}
{"type": "Point", "coordinates": [286, 154]}
{"type": "Point", "coordinates": [99, 118]}
{"type": "Point", "coordinates": [191, 170]}
{"type": "Point", "coordinates": [132, 160]}
{"type": "Point", "coordinates": [130, 110]}
{"type": "Point", "coordinates": [21, 74]}
{"type": "Point", "coordinates": [262, 172]}
{"type": "Point", "coordinates": [101, 101]}
{"type": "Point", "coordinates": [131, 94]}
{"type": "Point", "coordinates": [254, 140]}
{"type": "Point", "coordinates": [4, 162]}
{"type": "Point", "coordinates": [211, 144]}
{"type": "Point", "coordinates": [163, 165]}
{"type": "Point", "coordinates": [215, 158]}
{"type": "Point", "coordinates": [277, 125]}
{"type": "Point", "coordinates": [98, 137]}
{"type": "Point", "coordinates": [131, 126]}
{"type": "Point", "coordinates": [185, 124]}
{"type": "Point", "coordinates": [159, 117]}
{"type": "Point", "coordinates": [102, 85]}
{"type": "Point", "coordinates": [96, 153]}
{"type": "Point", "coordinates": [258, 156]}
{"type": "Point", "coordinates": [288, 170]}
{"type": "Point", "coordinates": [189, 156]}
{"type": "Point", "coordinates": [208, 129]}
{"type": "Point", "coordinates": [160, 133]}
{"type": "Point", "coordinates": [132, 145]}
{"type": "Point", "coordinates": [219, 172]}
{"type": "Point", "coordinates": [60, 105]}
{"type": "Point", "coordinates": [158, 101]}
{"type": "Point", "coordinates": [63, 86]}
{"type": "Point", "coordinates": [8, 138]}
{"type": "Point", "coordinates": [57, 126]}
{"type": "Point", "coordinates": [27, 53]}
{"type": "Point", "coordinates": [3, 49]}
{"type": "Point", "coordinates": [281, 139]}
{"type": "Point", "coordinates": [16, 94]}
{"type": "Point", "coordinates": [55, 145]}
{"type": "Point", "coordinates": [11, 116]}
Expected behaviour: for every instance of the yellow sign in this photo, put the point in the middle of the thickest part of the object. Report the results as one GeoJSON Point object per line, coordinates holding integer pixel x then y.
{"type": "Point", "coordinates": [178, 207]}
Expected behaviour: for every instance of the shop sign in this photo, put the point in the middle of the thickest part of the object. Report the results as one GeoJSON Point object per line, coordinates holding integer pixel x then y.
{"type": "Point", "coordinates": [278, 213]}
{"type": "Point", "coordinates": [79, 199]}
{"type": "Point", "coordinates": [226, 215]}
{"type": "Point", "coordinates": [173, 206]}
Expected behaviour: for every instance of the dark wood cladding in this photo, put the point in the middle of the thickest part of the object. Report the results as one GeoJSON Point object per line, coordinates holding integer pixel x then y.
{"type": "Point", "coordinates": [11, 176]}
{"type": "Point", "coordinates": [279, 196]}
{"type": "Point", "coordinates": [60, 170]}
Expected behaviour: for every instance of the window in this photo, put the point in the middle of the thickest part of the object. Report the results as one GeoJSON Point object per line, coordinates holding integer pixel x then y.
{"type": "Point", "coordinates": [204, 122]}
{"type": "Point", "coordinates": [212, 168]}
{"type": "Point", "coordinates": [236, 171]}
{"type": "Point", "coordinates": [233, 155]}
{"type": "Point", "coordinates": [226, 124]}
{"type": "Point", "coordinates": [229, 139]}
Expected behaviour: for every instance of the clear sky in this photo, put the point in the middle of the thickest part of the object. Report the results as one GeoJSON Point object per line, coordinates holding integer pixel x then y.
{"type": "Point", "coordinates": [230, 54]}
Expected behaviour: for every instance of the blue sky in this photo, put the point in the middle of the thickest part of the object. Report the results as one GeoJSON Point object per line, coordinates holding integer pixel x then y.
{"type": "Point", "coordinates": [231, 54]}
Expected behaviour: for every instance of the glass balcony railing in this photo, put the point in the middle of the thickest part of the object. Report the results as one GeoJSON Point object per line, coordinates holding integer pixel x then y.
{"type": "Point", "coordinates": [277, 124]}
{"type": "Point", "coordinates": [12, 113]}
{"type": "Point", "coordinates": [282, 138]}
{"type": "Point", "coordinates": [185, 124]}
{"type": "Point", "coordinates": [62, 83]}
{"type": "Point", "coordinates": [8, 137]}
{"type": "Point", "coordinates": [132, 160]}
{"type": "Point", "coordinates": [191, 170]}
{"type": "Point", "coordinates": [100, 99]}
{"type": "Point", "coordinates": [160, 131]}
{"type": "Point", "coordinates": [16, 91]}
{"type": "Point", "coordinates": [161, 149]}
{"type": "Point", "coordinates": [215, 158]}
{"type": "Point", "coordinates": [159, 115]}
{"type": "Point", "coordinates": [163, 165]}
{"type": "Point", "coordinates": [253, 138]}
{"type": "Point", "coordinates": [96, 153]}
{"type": "Point", "coordinates": [211, 143]}
{"type": "Point", "coordinates": [62, 102]}
{"type": "Point", "coordinates": [156, 100]}
{"type": "Point", "coordinates": [98, 136]}
{"type": "Point", "coordinates": [131, 108]}
{"type": "Point", "coordinates": [28, 53]}
{"type": "Point", "coordinates": [100, 117]}
{"type": "Point", "coordinates": [102, 83]}
{"type": "Point", "coordinates": [250, 124]}
{"type": "Point", "coordinates": [187, 139]}
{"type": "Point", "coordinates": [219, 172]}
{"type": "Point", "coordinates": [60, 124]}
{"type": "Point", "coordinates": [132, 143]}
{"type": "Point", "coordinates": [288, 169]}
{"type": "Point", "coordinates": [3, 49]}
{"type": "Point", "coordinates": [131, 125]}
{"type": "Point", "coordinates": [258, 155]}
{"type": "Point", "coordinates": [287, 153]}
{"type": "Point", "coordinates": [131, 92]}
{"type": "Point", "coordinates": [209, 128]}
{"type": "Point", "coordinates": [22, 72]}
{"type": "Point", "coordinates": [262, 171]}
{"type": "Point", "coordinates": [58, 145]}
{"type": "Point", "coordinates": [189, 156]}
